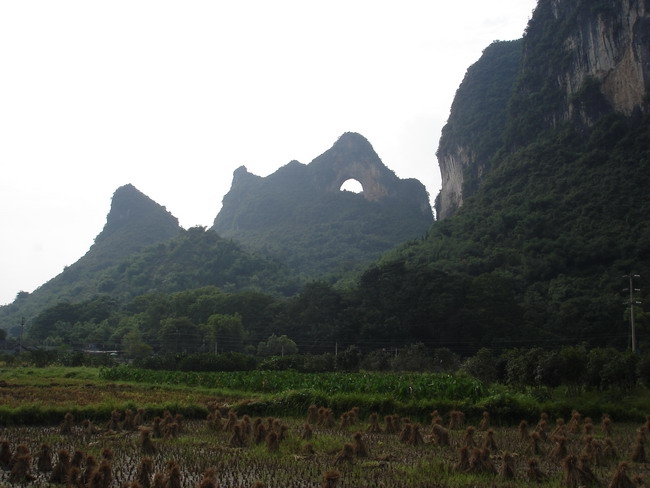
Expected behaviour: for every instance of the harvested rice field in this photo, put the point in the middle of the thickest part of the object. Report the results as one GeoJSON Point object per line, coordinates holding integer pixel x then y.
{"type": "Point", "coordinates": [322, 449]}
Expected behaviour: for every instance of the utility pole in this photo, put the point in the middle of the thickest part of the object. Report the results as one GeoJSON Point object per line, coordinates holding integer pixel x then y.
{"type": "Point", "coordinates": [632, 302]}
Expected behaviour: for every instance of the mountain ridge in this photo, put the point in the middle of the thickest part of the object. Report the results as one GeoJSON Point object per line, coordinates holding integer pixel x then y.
{"type": "Point", "coordinates": [299, 215]}
{"type": "Point", "coordinates": [141, 246]}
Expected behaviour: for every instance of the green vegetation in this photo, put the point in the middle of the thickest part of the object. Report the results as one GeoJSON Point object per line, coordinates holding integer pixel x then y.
{"type": "Point", "coordinates": [123, 425]}
{"type": "Point", "coordinates": [479, 112]}
{"type": "Point", "coordinates": [517, 383]}
{"type": "Point", "coordinates": [531, 268]}
{"type": "Point", "coordinates": [47, 392]}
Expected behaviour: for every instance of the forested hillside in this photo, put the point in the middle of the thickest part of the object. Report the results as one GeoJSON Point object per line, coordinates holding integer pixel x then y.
{"type": "Point", "coordinates": [552, 219]}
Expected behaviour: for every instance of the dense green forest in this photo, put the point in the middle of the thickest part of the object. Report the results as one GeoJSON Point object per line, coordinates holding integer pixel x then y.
{"type": "Point", "coordinates": [538, 256]}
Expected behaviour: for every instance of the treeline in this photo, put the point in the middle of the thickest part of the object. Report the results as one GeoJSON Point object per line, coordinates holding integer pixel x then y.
{"type": "Point", "coordinates": [577, 368]}
{"type": "Point", "coordinates": [392, 305]}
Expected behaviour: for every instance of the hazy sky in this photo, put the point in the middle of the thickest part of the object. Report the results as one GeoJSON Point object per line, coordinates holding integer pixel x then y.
{"type": "Point", "coordinates": [174, 96]}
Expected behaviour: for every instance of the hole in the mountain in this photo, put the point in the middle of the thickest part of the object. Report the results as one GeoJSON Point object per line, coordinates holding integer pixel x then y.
{"type": "Point", "coordinates": [352, 185]}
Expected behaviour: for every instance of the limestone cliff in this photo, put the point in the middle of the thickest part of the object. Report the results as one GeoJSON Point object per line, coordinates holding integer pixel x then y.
{"type": "Point", "coordinates": [476, 122]}
{"type": "Point", "coordinates": [610, 44]}
{"type": "Point", "coordinates": [582, 59]}
{"type": "Point", "coordinates": [300, 215]}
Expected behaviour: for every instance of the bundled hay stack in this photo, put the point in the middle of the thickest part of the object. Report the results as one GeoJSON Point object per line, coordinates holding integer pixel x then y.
{"type": "Point", "coordinates": [533, 473]}
{"type": "Point", "coordinates": [507, 469]}
{"type": "Point", "coordinates": [441, 435]}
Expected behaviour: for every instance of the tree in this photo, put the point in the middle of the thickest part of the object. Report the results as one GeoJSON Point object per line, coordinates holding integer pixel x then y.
{"type": "Point", "coordinates": [378, 360]}
{"type": "Point", "coordinates": [445, 361]}
{"type": "Point", "coordinates": [413, 358]}
{"type": "Point", "coordinates": [277, 346]}
{"type": "Point", "coordinates": [179, 334]}
{"type": "Point", "coordinates": [349, 359]}
{"type": "Point", "coordinates": [225, 333]}
{"type": "Point", "coordinates": [134, 347]}
{"type": "Point", "coordinates": [43, 325]}
{"type": "Point", "coordinates": [482, 365]}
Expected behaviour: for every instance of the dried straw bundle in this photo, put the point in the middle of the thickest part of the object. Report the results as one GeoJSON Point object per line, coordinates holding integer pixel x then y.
{"type": "Point", "coordinates": [533, 473]}
{"type": "Point", "coordinates": [312, 414]}
{"type": "Point", "coordinates": [638, 455]}
{"type": "Point", "coordinates": [44, 458]}
{"type": "Point", "coordinates": [146, 444]}
{"type": "Point", "coordinates": [60, 470]}
{"type": "Point", "coordinates": [21, 465]}
{"type": "Point", "coordinates": [489, 442]}
{"type": "Point", "coordinates": [67, 425]}
{"type": "Point", "coordinates": [468, 437]}
{"type": "Point", "coordinates": [209, 479]}
{"type": "Point", "coordinates": [346, 455]}
{"type": "Point", "coordinates": [441, 435]}
{"type": "Point", "coordinates": [145, 470]}
{"type": "Point", "coordinates": [360, 449]}
{"type": "Point", "coordinates": [507, 469]}
{"type": "Point", "coordinates": [374, 427]}
{"type": "Point", "coordinates": [456, 419]}
{"type": "Point", "coordinates": [484, 424]}
{"type": "Point", "coordinates": [621, 479]}
{"type": "Point", "coordinates": [415, 439]}
{"type": "Point", "coordinates": [331, 479]}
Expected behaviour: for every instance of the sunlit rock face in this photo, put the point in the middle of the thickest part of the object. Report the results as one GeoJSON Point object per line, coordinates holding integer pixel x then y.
{"type": "Point", "coordinates": [609, 46]}
{"type": "Point", "coordinates": [580, 60]}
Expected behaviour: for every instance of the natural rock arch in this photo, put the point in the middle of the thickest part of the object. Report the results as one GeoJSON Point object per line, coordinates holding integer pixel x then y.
{"type": "Point", "coordinates": [352, 185]}
{"type": "Point", "coordinates": [368, 175]}
{"type": "Point", "coordinates": [353, 158]}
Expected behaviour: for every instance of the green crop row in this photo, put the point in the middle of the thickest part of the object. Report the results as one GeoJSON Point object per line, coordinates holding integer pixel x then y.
{"type": "Point", "coordinates": [400, 386]}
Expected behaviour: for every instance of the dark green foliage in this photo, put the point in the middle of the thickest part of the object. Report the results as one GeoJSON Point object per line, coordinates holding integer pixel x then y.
{"type": "Point", "coordinates": [478, 114]}
{"type": "Point", "coordinates": [483, 366]}
{"type": "Point", "coordinates": [643, 369]}
{"type": "Point", "coordinates": [217, 362]}
{"type": "Point", "coordinates": [305, 363]}
{"type": "Point", "coordinates": [539, 252]}
{"type": "Point", "coordinates": [575, 367]}
{"type": "Point", "coordinates": [532, 263]}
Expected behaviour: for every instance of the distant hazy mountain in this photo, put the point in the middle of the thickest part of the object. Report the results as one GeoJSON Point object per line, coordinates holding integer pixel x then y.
{"type": "Point", "coordinates": [142, 249]}
{"type": "Point", "coordinates": [294, 224]}
{"type": "Point", "coordinates": [299, 214]}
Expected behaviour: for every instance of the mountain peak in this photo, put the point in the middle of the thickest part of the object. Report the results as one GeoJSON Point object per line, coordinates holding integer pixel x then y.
{"type": "Point", "coordinates": [134, 221]}
{"type": "Point", "coordinates": [129, 203]}
{"type": "Point", "coordinates": [353, 140]}
{"type": "Point", "coordinates": [300, 214]}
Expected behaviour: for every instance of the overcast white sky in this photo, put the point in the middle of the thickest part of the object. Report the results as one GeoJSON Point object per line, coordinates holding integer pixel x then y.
{"type": "Point", "coordinates": [173, 96]}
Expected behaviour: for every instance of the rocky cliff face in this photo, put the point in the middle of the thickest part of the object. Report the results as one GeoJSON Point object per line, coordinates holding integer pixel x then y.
{"type": "Point", "coordinates": [452, 169]}
{"type": "Point", "coordinates": [609, 44]}
{"type": "Point", "coordinates": [477, 119]}
{"type": "Point", "coordinates": [353, 157]}
{"type": "Point", "coordinates": [581, 60]}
